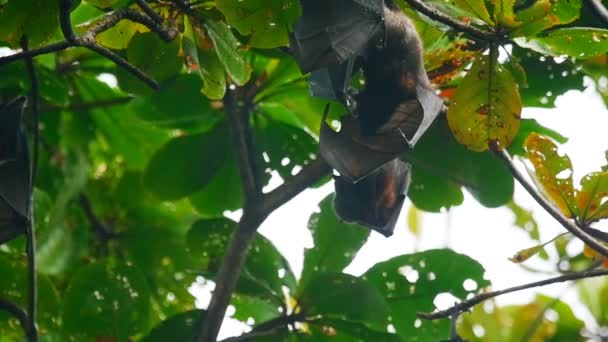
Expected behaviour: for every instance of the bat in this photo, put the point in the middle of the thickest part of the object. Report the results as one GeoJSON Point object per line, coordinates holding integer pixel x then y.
{"type": "Point", "coordinates": [376, 200]}
{"type": "Point", "coordinates": [15, 172]}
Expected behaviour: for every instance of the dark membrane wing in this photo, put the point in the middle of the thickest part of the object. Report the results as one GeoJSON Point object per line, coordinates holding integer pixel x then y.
{"type": "Point", "coordinates": [331, 32]}
{"type": "Point", "coordinates": [15, 173]}
{"type": "Point", "coordinates": [376, 200]}
{"type": "Point", "coordinates": [431, 104]}
{"type": "Point", "coordinates": [331, 83]}
{"type": "Point", "coordinates": [10, 119]}
{"type": "Point", "coordinates": [352, 155]}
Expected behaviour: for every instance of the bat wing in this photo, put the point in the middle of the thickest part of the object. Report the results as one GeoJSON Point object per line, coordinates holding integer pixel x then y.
{"type": "Point", "coordinates": [332, 83]}
{"type": "Point", "coordinates": [355, 156]}
{"type": "Point", "coordinates": [331, 32]}
{"type": "Point", "coordinates": [15, 171]}
{"type": "Point", "coordinates": [376, 200]}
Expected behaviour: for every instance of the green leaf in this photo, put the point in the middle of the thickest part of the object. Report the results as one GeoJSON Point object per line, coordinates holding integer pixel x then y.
{"type": "Point", "coordinates": [335, 243]}
{"type": "Point", "coordinates": [410, 283]}
{"type": "Point", "coordinates": [553, 173]}
{"type": "Point", "coordinates": [486, 107]}
{"type": "Point", "coordinates": [193, 159]}
{"type": "Point", "coordinates": [268, 22]}
{"type": "Point", "coordinates": [524, 220]}
{"type": "Point", "coordinates": [592, 199]}
{"type": "Point", "coordinates": [594, 293]}
{"type": "Point", "coordinates": [335, 330]}
{"type": "Point", "coordinates": [576, 42]}
{"type": "Point", "coordinates": [181, 327]}
{"type": "Point", "coordinates": [107, 299]}
{"type": "Point", "coordinates": [439, 172]}
{"type": "Point", "coordinates": [223, 192]}
{"type": "Point", "coordinates": [152, 55]}
{"type": "Point", "coordinates": [253, 308]}
{"type": "Point", "coordinates": [544, 14]}
{"type": "Point", "coordinates": [118, 36]}
{"type": "Point", "coordinates": [503, 12]}
{"type": "Point", "coordinates": [476, 7]}
{"type": "Point", "coordinates": [226, 47]}
{"type": "Point", "coordinates": [265, 273]}
{"type": "Point", "coordinates": [178, 103]}
{"type": "Point", "coordinates": [13, 287]}
{"type": "Point", "coordinates": [203, 61]}
{"type": "Point", "coordinates": [529, 126]}
{"type": "Point", "coordinates": [344, 297]}
{"type": "Point", "coordinates": [37, 19]}
{"type": "Point", "coordinates": [103, 3]}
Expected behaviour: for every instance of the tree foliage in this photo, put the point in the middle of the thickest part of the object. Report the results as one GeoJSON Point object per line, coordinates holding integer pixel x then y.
{"type": "Point", "coordinates": [137, 168]}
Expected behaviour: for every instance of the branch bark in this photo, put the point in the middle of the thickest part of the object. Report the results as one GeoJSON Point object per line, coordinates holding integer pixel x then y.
{"type": "Point", "coordinates": [577, 231]}
{"type": "Point", "coordinates": [600, 11]}
{"type": "Point", "coordinates": [467, 304]}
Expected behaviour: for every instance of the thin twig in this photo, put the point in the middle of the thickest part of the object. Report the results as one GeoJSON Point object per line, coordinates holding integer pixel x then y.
{"type": "Point", "coordinates": [467, 304]}
{"type": "Point", "coordinates": [30, 229]}
{"type": "Point", "coordinates": [447, 20]}
{"type": "Point", "coordinates": [600, 11]}
{"type": "Point", "coordinates": [16, 311]}
{"type": "Point", "coordinates": [149, 11]}
{"type": "Point", "coordinates": [55, 47]}
{"type": "Point", "coordinates": [569, 225]}
{"type": "Point", "coordinates": [103, 232]}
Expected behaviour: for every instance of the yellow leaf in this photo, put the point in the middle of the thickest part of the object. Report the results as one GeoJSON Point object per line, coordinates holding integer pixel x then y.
{"type": "Point", "coordinates": [413, 220]}
{"type": "Point", "coordinates": [527, 253]}
{"type": "Point", "coordinates": [592, 199]}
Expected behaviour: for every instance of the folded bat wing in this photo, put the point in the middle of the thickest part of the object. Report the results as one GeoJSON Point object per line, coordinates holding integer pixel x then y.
{"type": "Point", "coordinates": [330, 32]}
{"type": "Point", "coordinates": [376, 200]}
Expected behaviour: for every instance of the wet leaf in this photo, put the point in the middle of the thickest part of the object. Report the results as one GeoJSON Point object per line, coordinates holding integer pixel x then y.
{"type": "Point", "coordinates": [486, 107]}
{"type": "Point", "coordinates": [553, 173]}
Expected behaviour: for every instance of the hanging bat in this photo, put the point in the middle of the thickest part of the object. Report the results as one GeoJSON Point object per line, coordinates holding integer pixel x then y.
{"type": "Point", "coordinates": [376, 200]}
{"type": "Point", "coordinates": [15, 173]}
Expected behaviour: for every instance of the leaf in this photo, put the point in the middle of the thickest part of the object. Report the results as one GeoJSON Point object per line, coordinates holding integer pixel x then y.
{"type": "Point", "coordinates": [152, 55]}
{"type": "Point", "coordinates": [527, 253]}
{"type": "Point", "coordinates": [445, 193]}
{"type": "Point", "coordinates": [576, 42]}
{"type": "Point", "coordinates": [414, 218]}
{"type": "Point", "coordinates": [203, 61]}
{"type": "Point", "coordinates": [17, 18]}
{"type": "Point", "coordinates": [107, 299]}
{"type": "Point", "coordinates": [265, 273]}
{"type": "Point", "coordinates": [410, 283]}
{"type": "Point", "coordinates": [593, 293]}
{"type": "Point", "coordinates": [476, 7]}
{"type": "Point", "coordinates": [335, 330]}
{"type": "Point", "coordinates": [503, 12]}
{"type": "Point", "coordinates": [553, 173]}
{"type": "Point", "coordinates": [181, 327]}
{"type": "Point", "coordinates": [103, 3]}
{"type": "Point", "coordinates": [335, 243]}
{"type": "Point", "coordinates": [226, 47]}
{"type": "Point", "coordinates": [524, 220]}
{"type": "Point", "coordinates": [178, 103]}
{"type": "Point", "coordinates": [592, 199]}
{"type": "Point", "coordinates": [344, 297]}
{"type": "Point", "coordinates": [486, 107]}
{"type": "Point", "coordinates": [268, 22]}
{"type": "Point", "coordinates": [118, 36]}
{"type": "Point", "coordinates": [194, 160]}
{"type": "Point", "coordinates": [544, 14]}
{"type": "Point", "coordinates": [529, 126]}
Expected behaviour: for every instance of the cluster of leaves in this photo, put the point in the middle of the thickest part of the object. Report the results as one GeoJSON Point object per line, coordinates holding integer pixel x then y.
{"type": "Point", "coordinates": [159, 170]}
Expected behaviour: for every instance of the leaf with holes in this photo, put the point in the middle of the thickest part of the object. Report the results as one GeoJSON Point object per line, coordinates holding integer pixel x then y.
{"type": "Point", "coordinates": [592, 199]}
{"type": "Point", "coordinates": [576, 42]}
{"type": "Point", "coordinates": [411, 283]}
{"type": "Point", "coordinates": [335, 243]}
{"type": "Point", "coordinates": [105, 299]}
{"type": "Point", "coordinates": [344, 297]}
{"type": "Point", "coordinates": [486, 107]}
{"type": "Point", "coordinates": [553, 173]}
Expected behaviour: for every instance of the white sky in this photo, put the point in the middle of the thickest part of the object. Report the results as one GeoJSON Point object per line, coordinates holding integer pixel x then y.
{"type": "Point", "coordinates": [486, 235]}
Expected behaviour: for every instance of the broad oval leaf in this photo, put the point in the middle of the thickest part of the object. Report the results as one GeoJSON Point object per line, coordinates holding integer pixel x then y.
{"type": "Point", "coordinates": [119, 35]}
{"type": "Point", "coordinates": [335, 243]}
{"type": "Point", "coordinates": [344, 297]}
{"type": "Point", "coordinates": [186, 164]}
{"type": "Point", "coordinates": [476, 7]}
{"type": "Point", "coordinates": [553, 173]}
{"type": "Point", "coordinates": [576, 42]}
{"type": "Point", "coordinates": [410, 283]}
{"type": "Point", "coordinates": [109, 300]}
{"type": "Point", "coordinates": [181, 327]}
{"type": "Point", "coordinates": [592, 199]}
{"type": "Point", "coordinates": [543, 14]}
{"type": "Point", "coordinates": [486, 107]}
{"type": "Point", "coordinates": [37, 19]}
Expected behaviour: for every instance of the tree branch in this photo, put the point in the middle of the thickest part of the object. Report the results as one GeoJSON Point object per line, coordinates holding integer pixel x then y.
{"type": "Point", "coordinates": [600, 11]}
{"type": "Point", "coordinates": [103, 232]}
{"type": "Point", "coordinates": [30, 228]}
{"type": "Point", "coordinates": [467, 304]}
{"type": "Point", "coordinates": [569, 225]}
{"type": "Point", "coordinates": [267, 328]}
{"type": "Point", "coordinates": [21, 316]}
{"type": "Point", "coordinates": [447, 20]}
